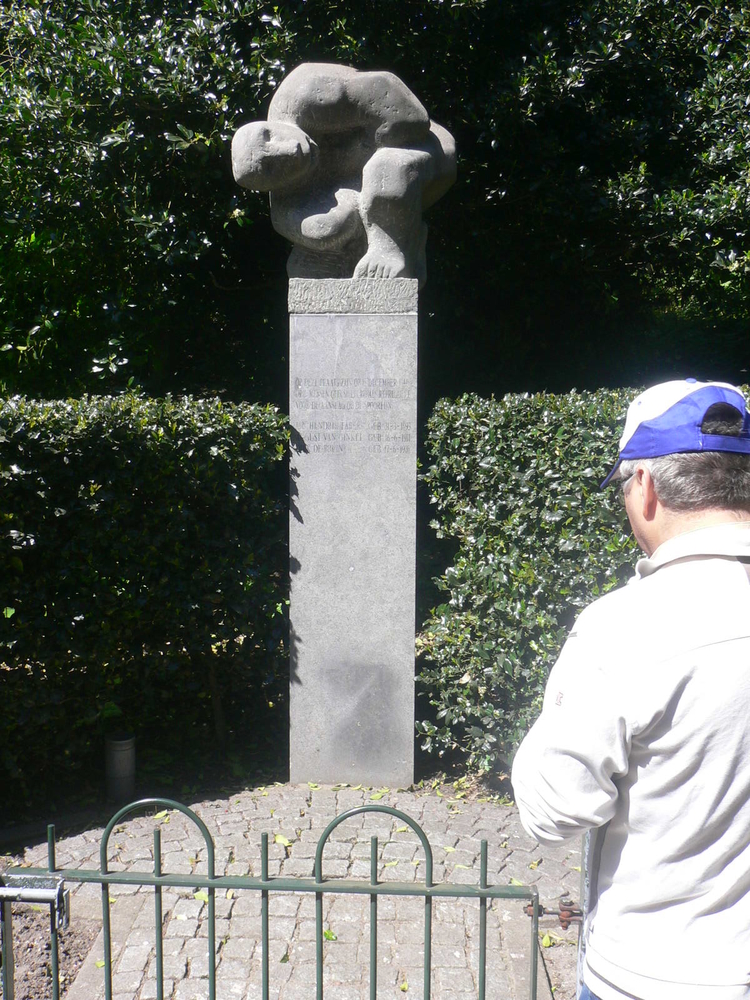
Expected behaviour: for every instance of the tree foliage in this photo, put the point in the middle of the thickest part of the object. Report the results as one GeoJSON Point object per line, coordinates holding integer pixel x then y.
{"type": "Point", "coordinates": [143, 569]}
{"type": "Point", "coordinates": [515, 488]}
{"type": "Point", "coordinates": [603, 184]}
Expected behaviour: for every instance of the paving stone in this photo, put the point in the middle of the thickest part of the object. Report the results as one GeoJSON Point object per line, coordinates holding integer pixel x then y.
{"type": "Point", "coordinates": [175, 863]}
{"type": "Point", "coordinates": [304, 849]}
{"type": "Point", "coordinates": [402, 871]}
{"type": "Point", "coordinates": [197, 947]}
{"type": "Point", "coordinates": [342, 972]}
{"type": "Point", "coordinates": [239, 949]}
{"type": "Point", "coordinates": [122, 890]}
{"type": "Point", "coordinates": [359, 870]}
{"type": "Point", "coordinates": [362, 850]}
{"type": "Point", "coordinates": [188, 908]}
{"type": "Point", "coordinates": [139, 938]}
{"type": "Point", "coordinates": [335, 869]}
{"type": "Point", "coordinates": [198, 966]}
{"type": "Point", "coordinates": [286, 904]}
{"type": "Point", "coordinates": [149, 989]}
{"type": "Point", "coordinates": [246, 927]}
{"type": "Point", "coordinates": [247, 904]}
{"type": "Point", "coordinates": [238, 868]}
{"type": "Point", "coordinates": [302, 974]}
{"type": "Point", "coordinates": [349, 798]}
{"type": "Point", "coordinates": [457, 980]}
{"type": "Point", "coordinates": [227, 988]}
{"type": "Point", "coordinates": [409, 933]}
{"type": "Point", "coordinates": [399, 850]}
{"type": "Point", "coordinates": [338, 991]}
{"type": "Point", "coordinates": [337, 850]}
{"type": "Point", "coordinates": [191, 989]}
{"type": "Point", "coordinates": [280, 928]}
{"type": "Point", "coordinates": [346, 931]}
{"type": "Point", "coordinates": [414, 978]}
{"type": "Point", "coordinates": [442, 934]}
{"type": "Point", "coordinates": [134, 959]}
{"type": "Point", "coordinates": [407, 955]}
{"type": "Point", "coordinates": [177, 928]}
{"type": "Point", "coordinates": [127, 982]}
{"type": "Point", "coordinates": [300, 868]}
{"type": "Point", "coordinates": [222, 905]}
{"type": "Point", "coordinates": [466, 875]}
{"type": "Point", "coordinates": [173, 967]}
{"type": "Point", "coordinates": [222, 928]}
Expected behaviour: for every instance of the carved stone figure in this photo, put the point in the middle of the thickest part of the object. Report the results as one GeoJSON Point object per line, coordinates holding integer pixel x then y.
{"type": "Point", "coordinates": [350, 160]}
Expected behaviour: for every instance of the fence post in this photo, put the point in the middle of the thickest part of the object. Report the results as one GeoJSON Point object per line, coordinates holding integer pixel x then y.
{"type": "Point", "coordinates": [6, 935]}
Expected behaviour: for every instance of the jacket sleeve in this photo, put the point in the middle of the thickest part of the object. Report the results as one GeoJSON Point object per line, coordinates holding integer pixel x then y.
{"type": "Point", "coordinates": [565, 771]}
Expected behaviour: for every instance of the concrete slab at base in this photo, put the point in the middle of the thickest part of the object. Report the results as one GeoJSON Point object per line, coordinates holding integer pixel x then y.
{"type": "Point", "coordinates": [353, 381]}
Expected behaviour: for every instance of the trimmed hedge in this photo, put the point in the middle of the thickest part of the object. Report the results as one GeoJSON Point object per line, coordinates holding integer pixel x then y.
{"type": "Point", "coordinates": [143, 577]}
{"type": "Point", "coordinates": [515, 484]}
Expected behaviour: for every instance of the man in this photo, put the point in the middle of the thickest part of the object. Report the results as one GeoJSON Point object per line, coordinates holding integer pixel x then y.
{"type": "Point", "coordinates": [644, 735]}
{"type": "Point", "coordinates": [351, 160]}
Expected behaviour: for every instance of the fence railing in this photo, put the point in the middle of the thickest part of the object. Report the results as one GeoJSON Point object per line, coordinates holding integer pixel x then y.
{"type": "Point", "coordinates": [21, 884]}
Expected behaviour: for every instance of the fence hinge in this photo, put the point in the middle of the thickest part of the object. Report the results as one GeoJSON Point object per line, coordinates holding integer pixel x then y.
{"type": "Point", "coordinates": [567, 912]}
{"type": "Point", "coordinates": [48, 890]}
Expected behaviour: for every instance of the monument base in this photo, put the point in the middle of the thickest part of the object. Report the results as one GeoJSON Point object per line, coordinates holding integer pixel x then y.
{"type": "Point", "coordinates": [352, 534]}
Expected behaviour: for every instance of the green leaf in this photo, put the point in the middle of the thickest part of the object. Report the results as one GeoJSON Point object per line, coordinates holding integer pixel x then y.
{"type": "Point", "coordinates": [281, 839]}
{"type": "Point", "coordinates": [8, 612]}
{"type": "Point", "coordinates": [202, 895]}
{"type": "Point", "coordinates": [514, 881]}
{"type": "Point", "coordinates": [284, 958]}
{"type": "Point", "coordinates": [547, 941]}
{"type": "Point", "coordinates": [329, 935]}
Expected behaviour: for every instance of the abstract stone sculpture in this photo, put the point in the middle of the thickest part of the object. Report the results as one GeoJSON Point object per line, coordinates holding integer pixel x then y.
{"type": "Point", "coordinates": [351, 160]}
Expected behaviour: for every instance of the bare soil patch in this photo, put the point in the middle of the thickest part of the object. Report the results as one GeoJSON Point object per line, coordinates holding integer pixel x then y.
{"type": "Point", "coordinates": [31, 947]}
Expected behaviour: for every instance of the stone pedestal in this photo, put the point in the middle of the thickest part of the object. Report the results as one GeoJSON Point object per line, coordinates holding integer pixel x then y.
{"type": "Point", "coordinates": [352, 535]}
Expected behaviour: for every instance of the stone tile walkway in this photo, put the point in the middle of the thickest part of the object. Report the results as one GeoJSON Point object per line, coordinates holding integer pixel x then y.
{"type": "Point", "coordinates": [294, 816]}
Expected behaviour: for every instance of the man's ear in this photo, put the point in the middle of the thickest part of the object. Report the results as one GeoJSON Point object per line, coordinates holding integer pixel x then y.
{"type": "Point", "coordinates": [647, 494]}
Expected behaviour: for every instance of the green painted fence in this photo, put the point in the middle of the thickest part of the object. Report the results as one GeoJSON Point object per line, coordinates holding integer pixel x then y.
{"type": "Point", "coordinates": [46, 886]}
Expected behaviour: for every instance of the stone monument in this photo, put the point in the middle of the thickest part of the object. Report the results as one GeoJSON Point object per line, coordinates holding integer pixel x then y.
{"type": "Point", "coordinates": [351, 160]}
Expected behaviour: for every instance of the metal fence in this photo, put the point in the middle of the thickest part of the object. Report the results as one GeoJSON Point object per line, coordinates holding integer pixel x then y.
{"type": "Point", "coordinates": [47, 887]}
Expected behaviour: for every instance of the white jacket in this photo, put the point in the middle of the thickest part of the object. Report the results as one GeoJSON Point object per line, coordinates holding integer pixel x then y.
{"type": "Point", "coordinates": [645, 732]}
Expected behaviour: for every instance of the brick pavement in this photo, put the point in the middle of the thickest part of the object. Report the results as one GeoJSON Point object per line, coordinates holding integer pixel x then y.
{"type": "Point", "coordinates": [298, 814]}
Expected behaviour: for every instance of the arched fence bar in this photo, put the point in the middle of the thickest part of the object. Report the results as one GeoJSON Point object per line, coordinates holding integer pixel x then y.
{"type": "Point", "coordinates": [46, 886]}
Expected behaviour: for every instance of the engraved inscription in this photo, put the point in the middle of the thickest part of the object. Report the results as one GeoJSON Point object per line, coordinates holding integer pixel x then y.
{"type": "Point", "coordinates": [343, 415]}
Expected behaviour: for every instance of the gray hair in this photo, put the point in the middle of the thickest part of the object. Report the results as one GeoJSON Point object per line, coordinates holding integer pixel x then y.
{"type": "Point", "coordinates": [703, 480]}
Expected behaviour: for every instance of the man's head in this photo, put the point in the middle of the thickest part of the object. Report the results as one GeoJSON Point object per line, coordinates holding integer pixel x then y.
{"type": "Point", "coordinates": [267, 156]}
{"type": "Point", "coordinates": [684, 459]}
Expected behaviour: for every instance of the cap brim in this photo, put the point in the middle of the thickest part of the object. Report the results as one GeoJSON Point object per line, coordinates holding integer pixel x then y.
{"type": "Point", "coordinates": [611, 475]}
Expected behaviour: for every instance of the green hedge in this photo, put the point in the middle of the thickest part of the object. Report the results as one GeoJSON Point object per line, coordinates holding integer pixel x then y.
{"type": "Point", "coordinates": [142, 577]}
{"type": "Point", "coordinates": [515, 483]}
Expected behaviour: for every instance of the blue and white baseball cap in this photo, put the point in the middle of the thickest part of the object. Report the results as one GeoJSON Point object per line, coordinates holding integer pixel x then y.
{"type": "Point", "coordinates": [666, 419]}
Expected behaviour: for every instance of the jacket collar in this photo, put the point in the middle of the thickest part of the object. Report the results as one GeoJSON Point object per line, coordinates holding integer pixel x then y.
{"type": "Point", "coordinates": [731, 539]}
